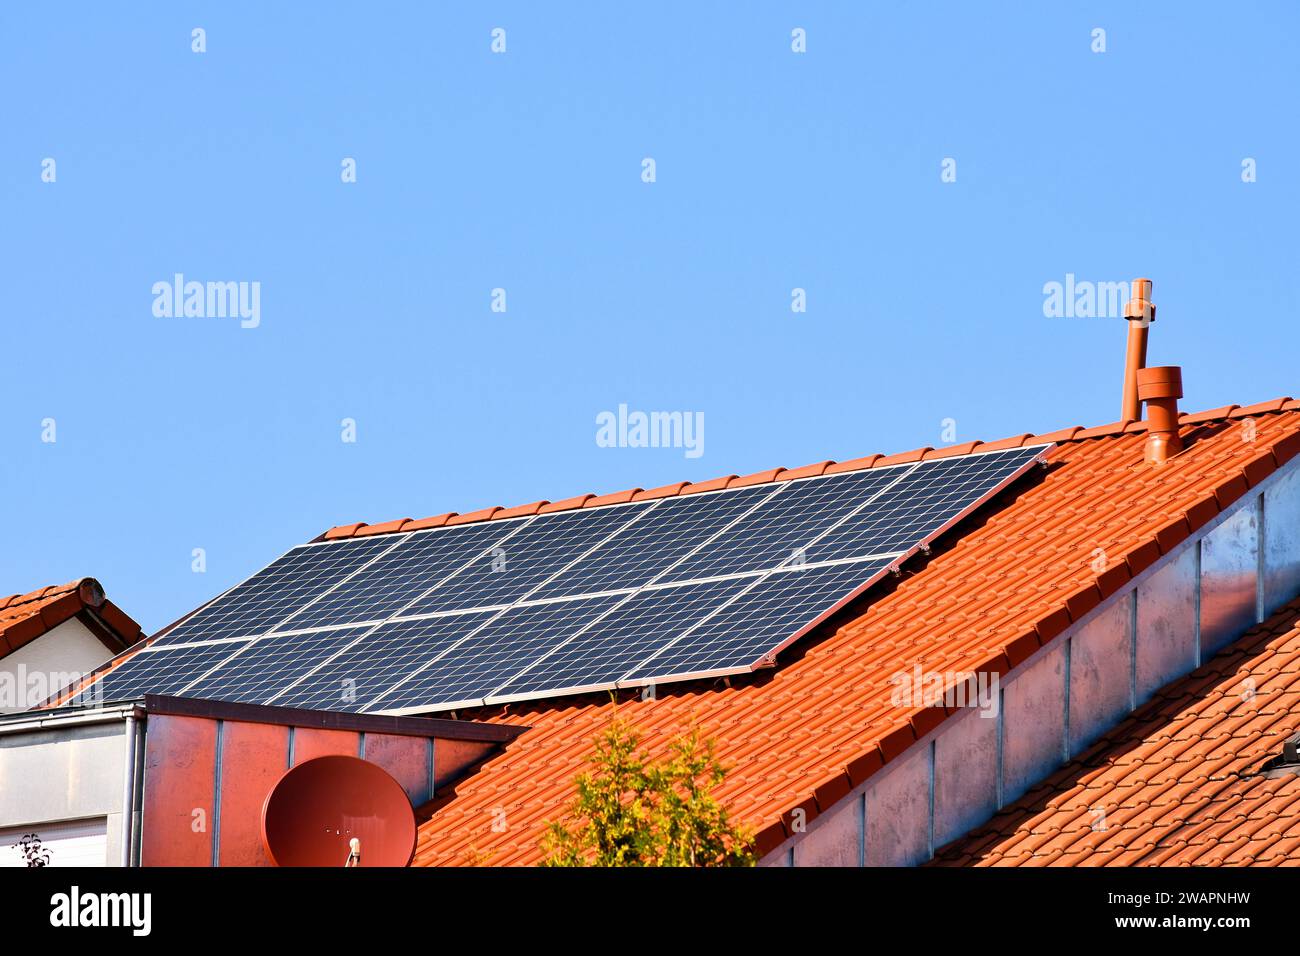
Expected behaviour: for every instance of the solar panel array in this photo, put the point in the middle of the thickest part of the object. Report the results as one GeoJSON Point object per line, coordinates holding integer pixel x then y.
{"type": "Point", "coordinates": [623, 595]}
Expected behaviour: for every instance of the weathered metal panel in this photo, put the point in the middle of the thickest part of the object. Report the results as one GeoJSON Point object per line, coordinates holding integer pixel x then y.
{"type": "Point", "coordinates": [965, 774]}
{"type": "Point", "coordinates": [1033, 722]}
{"type": "Point", "coordinates": [1229, 566]}
{"type": "Point", "coordinates": [453, 758]}
{"type": "Point", "coordinates": [253, 758]}
{"type": "Point", "coordinates": [179, 790]}
{"type": "Point", "coordinates": [406, 759]}
{"type": "Point", "coordinates": [834, 838]}
{"type": "Point", "coordinates": [1101, 676]}
{"type": "Point", "coordinates": [1282, 539]}
{"type": "Point", "coordinates": [1166, 624]}
{"type": "Point", "coordinates": [898, 813]}
{"type": "Point", "coordinates": [309, 742]}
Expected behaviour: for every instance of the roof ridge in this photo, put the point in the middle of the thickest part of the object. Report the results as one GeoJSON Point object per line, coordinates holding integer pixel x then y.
{"type": "Point", "coordinates": [1070, 434]}
{"type": "Point", "coordinates": [49, 591]}
{"type": "Point", "coordinates": [25, 617]}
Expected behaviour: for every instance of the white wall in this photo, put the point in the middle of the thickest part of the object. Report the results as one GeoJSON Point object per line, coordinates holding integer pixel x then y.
{"type": "Point", "coordinates": [54, 659]}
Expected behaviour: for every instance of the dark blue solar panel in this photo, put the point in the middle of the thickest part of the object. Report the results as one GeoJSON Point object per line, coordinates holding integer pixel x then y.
{"type": "Point", "coordinates": [618, 642]}
{"type": "Point", "coordinates": [547, 545]}
{"type": "Point", "coordinates": [922, 502]}
{"type": "Point", "coordinates": [164, 671]}
{"type": "Point", "coordinates": [692, 595]}
{"type": "Point", "coordinates": [670, 532]}
{"type": "Point", "coordinates": [771, 535]}
{"type": "Point", "coordinates": [758, 621]}
{"type": "Point", "coordinates": [419, 563]}
{"type": "Point", "coordinates": [377, 662]}
{"type": "Point", "coordinates": [269, 596]}
{"type": "Point", "coordinates": [487, 658]}
{"type": "Point", "coordinates": [269, 664]}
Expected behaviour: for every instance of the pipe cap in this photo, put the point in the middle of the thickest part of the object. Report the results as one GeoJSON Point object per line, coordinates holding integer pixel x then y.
{"type": "Point", "coordinates": [1139, 307]}
{"type": "Point", "coordinates": [1161, 381]}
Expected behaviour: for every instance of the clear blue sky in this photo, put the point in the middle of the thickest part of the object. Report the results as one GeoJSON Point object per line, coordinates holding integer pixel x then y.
{"type": "Point", "coordinates": [522, 171]}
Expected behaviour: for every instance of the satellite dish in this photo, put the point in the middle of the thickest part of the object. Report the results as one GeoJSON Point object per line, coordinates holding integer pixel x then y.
{"type": "Point", "coordinates": [318, 809]}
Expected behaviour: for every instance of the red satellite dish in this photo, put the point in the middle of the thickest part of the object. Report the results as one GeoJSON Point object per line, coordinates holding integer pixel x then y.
{"type": "Point", "coordinates": [317, 809]}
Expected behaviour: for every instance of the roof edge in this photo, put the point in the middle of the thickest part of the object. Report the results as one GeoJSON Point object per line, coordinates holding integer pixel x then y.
{"type": "Point", "coordinates": [46, 608]}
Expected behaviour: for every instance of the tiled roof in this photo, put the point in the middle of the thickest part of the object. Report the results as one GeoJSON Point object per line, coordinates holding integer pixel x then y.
{"type": "Point", "coordinates": [801, 735]}
{"type": "Point", "coordinates": [1185, 781]}
{"type": "Point", "coordinates": [25, 617]}
{"type": "Point", "coordinates": [358, 529]}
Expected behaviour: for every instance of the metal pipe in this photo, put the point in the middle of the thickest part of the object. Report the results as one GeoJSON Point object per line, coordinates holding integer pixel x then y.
{"type": "Point", "coordinates": [1135, 358]}
{"type": "Point", "coordinates": [1140, 313]}
{"type": "Point", "coordinates": [128, 791]}
{"type": "Point", "coordinates": [1161, 388]}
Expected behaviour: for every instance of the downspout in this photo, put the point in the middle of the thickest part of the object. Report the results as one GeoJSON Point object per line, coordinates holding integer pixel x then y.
{"type": "Point", "coordinates": [128, 790]}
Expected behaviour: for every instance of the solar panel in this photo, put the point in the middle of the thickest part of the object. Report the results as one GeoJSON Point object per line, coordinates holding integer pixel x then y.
{"type": "Point", "coordinates": [676, 528]}
{"type": "Point", "coordinates": [262, 667]}
{"type": "Point", "coordinates": [622, 595]}
{"type": "Point", "coordinates": [270, 595]}
{"type": "Point", "coordinates": [611, 646]}
{"type": "Point", "coordinates": [786, 524]}
{"type": "Point", "coordinates": [370, 666]}
{"type": "Point", "coordinates": [538, 551]}
{"type": "Point", "coordinates": [164, 671]}
{"type": "Point", "coordinates": [508, 642]}
{"type": "Point", "coordinates": [917, 506]}
{"type": "Point", "coordinates": [758, 623]}
{"type": "Point", "coordinates": [403, 575]}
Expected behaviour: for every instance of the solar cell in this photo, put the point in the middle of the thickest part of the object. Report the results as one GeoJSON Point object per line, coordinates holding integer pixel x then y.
{"type": "Point", "coordinates": [485, 658]}
{"type": "Point", "coordinates": [425, 560]}
{"type": "Point", "coordinates": [611, 646]}
{"type": "Point", "coordinates": [378, 661]}
{"type": "Point", "coordinates": [263, 666]}
{"type": "Point", "coordinates": [776, 532]}
{"type": "Point", "coordinates": [923, 501]}
{"type": "Point", "coordinates": [671, 532]}
{"type": "Point", "coordinates": [539, 550]}
{"type": "Point", "coordinates": [164, 671]}
{"type": "Point", "coordinates": [757, 622]}
{"type": "Point", "coordinates": [272, 594]}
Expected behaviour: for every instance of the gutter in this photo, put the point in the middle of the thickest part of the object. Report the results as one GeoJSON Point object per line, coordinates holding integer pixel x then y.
{"type": "Point", "coordinates": [27, 723]}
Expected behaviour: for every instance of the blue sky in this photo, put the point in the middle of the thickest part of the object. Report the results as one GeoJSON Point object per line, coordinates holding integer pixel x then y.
{"type": "Point", "coordinates": [523, 171]}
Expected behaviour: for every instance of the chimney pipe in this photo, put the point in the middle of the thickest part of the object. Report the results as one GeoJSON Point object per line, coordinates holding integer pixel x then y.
{"type": "Point", "coordinates": [1161, 388]}
{"type": "Point", "coordinates": [1140, 313]}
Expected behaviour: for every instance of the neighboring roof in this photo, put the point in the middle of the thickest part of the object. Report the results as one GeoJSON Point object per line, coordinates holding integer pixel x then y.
{"type": "Point", "coordinates": [25, 617]}
{"type": "Point", "coordinates": [800, 736]}
{"type": "Point", "coordinates": [361, 529]}
{"type": "Point", "coordinates": [1186, 780]}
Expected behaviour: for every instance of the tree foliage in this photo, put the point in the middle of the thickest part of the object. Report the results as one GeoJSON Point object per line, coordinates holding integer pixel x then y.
{"type": "Point", "coordinates": [634, 811]}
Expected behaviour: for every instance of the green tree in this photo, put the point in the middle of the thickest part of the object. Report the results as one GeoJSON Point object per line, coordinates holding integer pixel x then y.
{"type": "Point", "coordinates": [634, 811]}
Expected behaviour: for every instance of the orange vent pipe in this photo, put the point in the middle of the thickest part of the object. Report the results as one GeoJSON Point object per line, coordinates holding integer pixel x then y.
{"type": "Point", "coordinates": [1161, 388]}
{"type": "Point", "coordinates": [1140, 313]}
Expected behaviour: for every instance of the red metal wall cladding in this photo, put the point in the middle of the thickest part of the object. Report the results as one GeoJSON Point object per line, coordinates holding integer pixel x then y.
{"type": "Point", "coordinates": [206, 780]}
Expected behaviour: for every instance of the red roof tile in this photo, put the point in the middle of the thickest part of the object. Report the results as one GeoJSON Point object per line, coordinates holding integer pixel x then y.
{"type": "Point", "coordinates": [25, 617]}
{"type": "Point", "coordinates": [1184, 781]}
{"type": "Point", "coordinates": [985, 598]}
